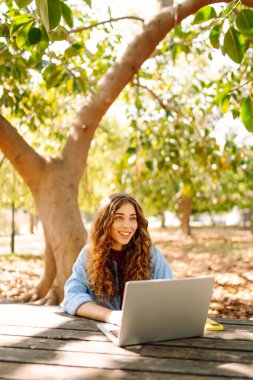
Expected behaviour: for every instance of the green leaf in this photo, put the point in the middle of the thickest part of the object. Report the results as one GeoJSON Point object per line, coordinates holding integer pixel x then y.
{"type": "Point", "coordinates": [34, 36]}
{"type": "Point", "coordinates": [4, 30]}
{"type": "Point", "coordinates": [88, 2]}
{"type": "Point", "coordinates": [50, 12]}
{"type": "Point", "coordinates": [218, 99]}
{"type": "Point", "coordinates": [131, 150]}
{"type": "Point", "coordinates": [67, 14]}
{"type": "Point", "coordinates": [73, 50]}
{"type": "Point", "coordinates": [244, 22]}
{"type": "Point", "coordinates": [247, 113]}
{"type": "Point", "coordinates": [227, 10]}
{"type": "Point", "coordinates": [23, 3]}
{"type": "Point", "coordinates": [161, 165]}
{"type": "Point", "coordinates": [43, 44]}
{"type": "Point", "coordinates": [204, 14]}
{"type": "Point", "coordinates": [35, 59]}
{"type": "Point", "coordinates": [51, 68]}
{"type": "Point", "coordinates": [215, 36]}
{"type": "Point", "coordinates": [53, 75]}
{"type": "Point", "coordinates": [22, 35]}
{"type": "Point", "coordinates": [234, 45]}
{"type": "Point", "coordinates": [225, 104]}
{"type": "Point", "coordinates": [59, 34]}
{"type": "Point", "coordinates": [19, 21]}
{"type": "Point", "coordinates": [149, 165]}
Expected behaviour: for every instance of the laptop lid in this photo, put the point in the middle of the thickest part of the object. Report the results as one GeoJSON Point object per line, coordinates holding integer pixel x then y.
{"type": "Point", "coordinates": [156, 310]}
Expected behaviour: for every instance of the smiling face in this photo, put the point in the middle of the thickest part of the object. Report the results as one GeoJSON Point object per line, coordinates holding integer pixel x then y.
{"type": "Point", "coordinates": [124, 226]}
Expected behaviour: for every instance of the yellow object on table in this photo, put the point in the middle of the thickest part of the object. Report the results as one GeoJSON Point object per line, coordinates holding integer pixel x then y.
{"type": "Point", "coordinates": [212, 325]}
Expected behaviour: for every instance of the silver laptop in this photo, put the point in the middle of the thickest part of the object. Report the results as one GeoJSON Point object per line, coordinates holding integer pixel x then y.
{"type": "Point", "coordinates": [156, 310]}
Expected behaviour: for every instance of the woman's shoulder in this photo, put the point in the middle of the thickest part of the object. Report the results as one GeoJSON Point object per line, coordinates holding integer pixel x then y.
{"type": "Point", "coordinates": [155, 250]}
{"type": "Point", "coordinates": [162, 268]}
{"type": "Point", "coordinates": [83, 254]}
{"type": "Point", "coordinates": [157, 255]}
{"type": "Point", "coordinates": [85, 250]}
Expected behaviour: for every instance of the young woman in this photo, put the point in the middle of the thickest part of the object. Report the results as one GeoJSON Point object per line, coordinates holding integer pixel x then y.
{"type": "Point", "coordinates": [119, 250]}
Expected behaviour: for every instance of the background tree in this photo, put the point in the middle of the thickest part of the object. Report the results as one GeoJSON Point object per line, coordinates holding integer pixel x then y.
{"type": "Point", "coordinates": [14, 195]}
{"type": "Point", "coordinates": [173, 160]}
{"type": "Point", "coordinates": [28, 35]}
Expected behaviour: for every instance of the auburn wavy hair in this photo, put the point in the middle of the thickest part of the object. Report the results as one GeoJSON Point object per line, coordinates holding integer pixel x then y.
{"type": "Point", "coordinates": [137, 261]}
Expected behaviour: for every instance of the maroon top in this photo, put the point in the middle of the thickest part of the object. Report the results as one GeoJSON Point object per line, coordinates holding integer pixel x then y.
{"type": "Point", "coordinates": [118, 257]}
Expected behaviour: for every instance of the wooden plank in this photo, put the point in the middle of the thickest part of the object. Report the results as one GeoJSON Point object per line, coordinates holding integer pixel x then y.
{"type": "Point", "coordinates": [232, 332]}
{"type": "Point", "coordinates": [52, 317]}
{"type": "Point", "coordinates": [138, 350]}
{"type": "Point", "coordinates": [42, 316]}
{"type": "Point", "coordinates": [233, 321]}
{"type": "Point", "coordinates": [56, 333]}
{"type": "Point", "coordinates": [14, 371]}
{"type": "Point", "coordinates": [88, 330]}
{"type": "Point", "coordinates": [202, 342]}
{"type": "Point", "coordinates": [126, 362]}
{"type": "Point", "coordinates": [54, 314]}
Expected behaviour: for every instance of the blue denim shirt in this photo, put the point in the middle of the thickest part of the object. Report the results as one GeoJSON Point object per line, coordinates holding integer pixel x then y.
{"type": "Point", "coordinates": [77, 291]}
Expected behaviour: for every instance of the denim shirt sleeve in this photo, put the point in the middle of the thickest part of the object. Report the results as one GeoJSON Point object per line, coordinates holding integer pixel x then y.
{"type": "Point", "coordinates": [162, 270]}
{"type": "Point", "coordinates": [76, 290]}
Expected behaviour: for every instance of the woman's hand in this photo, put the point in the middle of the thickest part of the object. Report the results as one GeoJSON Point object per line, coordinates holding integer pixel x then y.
{"type": "Point", "coordinates": [100, 313]}
{"type": "Point", "coordinates": [114, 317]}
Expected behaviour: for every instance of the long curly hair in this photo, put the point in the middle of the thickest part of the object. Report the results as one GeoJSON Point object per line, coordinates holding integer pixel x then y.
{"type": "Point", "coordinates": [137, 261]}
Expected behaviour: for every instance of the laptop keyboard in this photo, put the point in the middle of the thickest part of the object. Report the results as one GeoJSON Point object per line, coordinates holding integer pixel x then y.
{"type": "Point", "coordinates": [115, 332]}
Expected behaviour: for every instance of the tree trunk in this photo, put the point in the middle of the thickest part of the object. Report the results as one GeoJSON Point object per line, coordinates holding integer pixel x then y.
{"type": "Point", "coordinates": [12, 227]}
{"type": "Point", "coordinates": [185, 229]}
{"type": "Point", "coordinates": [163, 219]}
{"type": "Point", "coordinates": [65, 235]}
{"type": "Point", "coordinates": [31, 222]}
{"type": "Point", "coordinates": [212, 218]}
{"type": "Point", "coordinates": [251, 218]}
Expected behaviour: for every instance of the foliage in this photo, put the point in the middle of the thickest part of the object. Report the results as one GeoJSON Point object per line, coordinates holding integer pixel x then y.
{"type": "Point", "coordinates": [40, 78]}
{"type": "Point", "coordinates": [30, 31]}
{"type": "Point", "coordinates": [171, 152]}
{"type": "Point", "coordinates": [232, 32]}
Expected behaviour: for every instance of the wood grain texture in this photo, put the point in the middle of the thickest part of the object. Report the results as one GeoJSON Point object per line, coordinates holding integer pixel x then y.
{"type": "Point", "coordinates": [41, 342]}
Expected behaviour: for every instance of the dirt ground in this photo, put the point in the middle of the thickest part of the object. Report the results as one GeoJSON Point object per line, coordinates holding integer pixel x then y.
{"type": "Point", "coordinates": [225, 253]}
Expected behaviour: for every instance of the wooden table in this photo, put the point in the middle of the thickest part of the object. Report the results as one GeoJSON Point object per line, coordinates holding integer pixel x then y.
{"type": "Point", "coordinates": [41, 342]}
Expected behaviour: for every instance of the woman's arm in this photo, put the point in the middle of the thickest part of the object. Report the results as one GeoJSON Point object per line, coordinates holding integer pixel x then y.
{"type": "Point", "coordinates": [76, 290]}
{"type": "Point", "coordinates": [100, 313]}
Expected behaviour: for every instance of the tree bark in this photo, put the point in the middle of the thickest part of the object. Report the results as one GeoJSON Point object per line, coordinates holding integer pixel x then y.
{"type": "Point", "coordinates": [31, 222]}
{"type": "Point", "coordinates": [185, 229]}
{"type": "Point", "coordinates": [13, 232]}
{"type": "Point", "coordinates": [251, 218]}
{"type": "Point", "coordinates": [54, 183]}
{"type": "Point", "coordinates": [163, 219]}
{"type": "Point", "coordinates": [55, 193]}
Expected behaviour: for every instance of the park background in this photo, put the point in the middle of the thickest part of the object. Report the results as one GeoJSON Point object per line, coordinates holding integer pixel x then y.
{"type": "Point", "coordinates": [178, 137]}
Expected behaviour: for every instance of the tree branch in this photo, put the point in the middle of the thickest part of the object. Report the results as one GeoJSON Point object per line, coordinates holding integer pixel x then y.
{"type": "Point", "coordinates": [156, 97]}
{"type": "Point", "coordinates": [106, 22]}
{"type": "Point", "coordinates": [121, 73]}
{"type": "Point", "coordinates": [240, 86]}
{"type": "Point", "coordinates": [2, 161]}
{"type": "Point", "coordinates": [21, 155]}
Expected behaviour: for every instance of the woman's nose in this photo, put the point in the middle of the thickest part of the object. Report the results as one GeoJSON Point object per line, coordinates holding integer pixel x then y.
{"type": "Point", "coordinates": [126, 223]}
